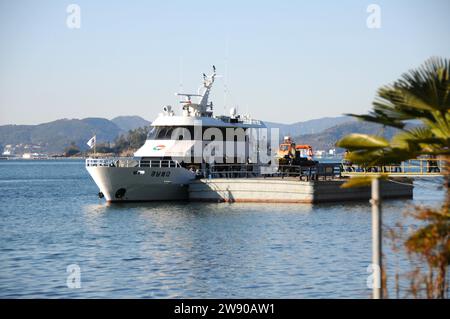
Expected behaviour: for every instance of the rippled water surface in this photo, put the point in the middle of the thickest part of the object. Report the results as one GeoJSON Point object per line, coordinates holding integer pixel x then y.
{"type": "Point", "coordinates": [51, 218]}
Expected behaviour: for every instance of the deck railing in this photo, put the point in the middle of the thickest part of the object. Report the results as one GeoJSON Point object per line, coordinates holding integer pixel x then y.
{"type": "Point", "coordinates": [314, 172]}
{"type": "Point", "coordinates": [417, 167]}
{"type": "Point", "coordinates": [120, 162]}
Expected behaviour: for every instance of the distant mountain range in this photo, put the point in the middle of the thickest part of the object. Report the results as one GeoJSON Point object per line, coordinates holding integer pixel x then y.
{"type": "Point", "coordinates": [309, 127]}
{"type": "Point", "coordinates": [54, 136]}
{"type": "Point", "coordinates": [126, 123]}
{"type": "Point", "coordinates": [327, 139]}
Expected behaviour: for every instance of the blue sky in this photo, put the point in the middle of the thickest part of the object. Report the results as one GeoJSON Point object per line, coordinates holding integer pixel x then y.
{"type": "Point", "coordinates": [285, 61]}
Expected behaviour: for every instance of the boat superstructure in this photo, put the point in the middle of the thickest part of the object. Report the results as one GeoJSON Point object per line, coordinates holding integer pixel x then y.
{"type": "Point", "coordinates": [178, 149]}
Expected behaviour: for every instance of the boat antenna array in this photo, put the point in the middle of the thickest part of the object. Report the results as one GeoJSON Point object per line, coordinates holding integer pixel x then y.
{"type": "Point", "coordinates": [202, 106]}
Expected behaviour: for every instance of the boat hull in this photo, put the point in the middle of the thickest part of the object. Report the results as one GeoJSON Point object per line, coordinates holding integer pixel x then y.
{"type": "Point", "coordinates": [127, 184]}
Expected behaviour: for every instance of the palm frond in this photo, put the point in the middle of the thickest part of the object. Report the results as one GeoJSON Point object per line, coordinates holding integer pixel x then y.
{"type": "Point", "coordinates": [362, 141]}
{"type": "Point", "coordinates": [379, 118]}
{"type": "Point", "coordinates": [380, 157]}
{"type": "Point", "coordinates": [421, 94]}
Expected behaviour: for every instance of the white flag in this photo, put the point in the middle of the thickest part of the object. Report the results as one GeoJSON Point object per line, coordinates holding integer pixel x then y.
{"type": "Point", "coordinates": [92, 142]}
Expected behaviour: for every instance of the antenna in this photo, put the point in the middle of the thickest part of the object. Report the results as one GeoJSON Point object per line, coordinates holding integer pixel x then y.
{"type": "Point", "coordinates": [202, 105]}
{"type": "Point", "coordinates": [181, 73]}
{"type": "Point", "coordinates": [225, 82]}
{"type": "Point", "coordinates": [180, 77]}
{"type": "Point", "coordinates": [188, 97]}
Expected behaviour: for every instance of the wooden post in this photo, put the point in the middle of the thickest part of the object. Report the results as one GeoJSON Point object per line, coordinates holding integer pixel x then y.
{"type": "Point", "coordinates": [376, 239]}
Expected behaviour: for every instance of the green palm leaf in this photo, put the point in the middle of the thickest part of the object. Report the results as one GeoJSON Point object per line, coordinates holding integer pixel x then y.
{"type": "Point", "coordinates": [362, 141]}
{"type": "Point", "coordinates": [422, 94]}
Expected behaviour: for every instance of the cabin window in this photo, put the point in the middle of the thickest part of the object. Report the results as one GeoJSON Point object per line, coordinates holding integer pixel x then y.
{"type": "Point", "coordinates": [167, 132]}
{"type": "Point", "coordinates": [162, 134]}
{"type": "Point", "coordinates": [184, 133]}
{"type": "Point", "coordinates": [153, 133]}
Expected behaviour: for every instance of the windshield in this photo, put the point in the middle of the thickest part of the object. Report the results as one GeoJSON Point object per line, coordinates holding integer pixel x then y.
{"type": "Point", "coordinates": [152, 134]}
{"type": "Point", "coordinates": [169, 133]}
{"type": "Point", "coordinates": [187, 133]}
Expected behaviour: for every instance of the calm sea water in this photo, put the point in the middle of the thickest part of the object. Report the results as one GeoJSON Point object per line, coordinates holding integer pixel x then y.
{"type": "Point", "coordinates": [51, 218]}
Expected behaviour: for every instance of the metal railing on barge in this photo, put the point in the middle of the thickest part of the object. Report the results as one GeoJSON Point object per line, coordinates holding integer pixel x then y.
{"type": "Point", "coordinates": [421, 167]}
{"type": "Point", "coordinates": [127, 162]}
{"type": "Point", "coordinates": [313, 172]}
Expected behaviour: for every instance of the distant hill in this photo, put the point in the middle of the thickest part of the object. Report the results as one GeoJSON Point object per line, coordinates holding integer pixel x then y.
{"type": "Point", "coordinates": [308, 127]}
{"type": "Point", "coordinates": [327, 139]}
{"type": "Point", "coordinates": [55, 136]}
{"type": "Point", "coordinates": [126, 123]}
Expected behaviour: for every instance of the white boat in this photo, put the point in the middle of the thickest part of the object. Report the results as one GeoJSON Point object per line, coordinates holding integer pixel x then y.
{"type": "Point", "coordinates": [164, 166]}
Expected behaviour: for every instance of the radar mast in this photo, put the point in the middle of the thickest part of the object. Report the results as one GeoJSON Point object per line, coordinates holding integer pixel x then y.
{"type": "Point", "coordinates": [202, 108]}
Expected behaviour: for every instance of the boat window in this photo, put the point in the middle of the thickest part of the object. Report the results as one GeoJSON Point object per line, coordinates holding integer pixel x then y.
{"type": "Point", "coordinates": [153, 133]}
{"type": "Point", "coordinates": [168, 134]}
{"type": "Point", "coordinates": [171, 132]}
{"type": "Point", "coordinates": [185, 133]}
{"type": "Point", "coordinates": [162, 134]}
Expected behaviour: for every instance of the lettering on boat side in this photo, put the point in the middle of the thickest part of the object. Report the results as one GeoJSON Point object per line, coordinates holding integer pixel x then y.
{"type": "Point", "coordinates": [160, 174]}
{"type": "Point", "coordinates": [153, 174]}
